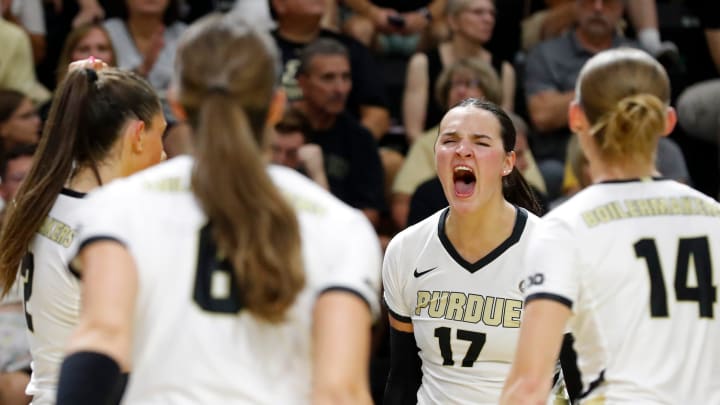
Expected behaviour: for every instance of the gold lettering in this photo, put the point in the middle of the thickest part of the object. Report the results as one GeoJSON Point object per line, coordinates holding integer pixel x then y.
{"type": "Point", "coordinates": [603, 214]}
{"type": "Point", "coordinates": [493, 313]}
{"type": "Point", "coordinates": [440, 301]}
{"type": "Point", "coordinates": [511, 316]}
{"type": "Point", "coordinates": [455, 307]}
{"type": "Point", "coordinates": [423, 299]}
{"type": "Point", "coordinates": [589, 218]}
{"type": "Point", "coordinates": [474, 308]}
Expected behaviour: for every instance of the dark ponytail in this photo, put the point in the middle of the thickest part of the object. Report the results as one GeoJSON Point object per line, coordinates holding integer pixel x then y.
{"type": "Point", "coordinates": [86, 118]}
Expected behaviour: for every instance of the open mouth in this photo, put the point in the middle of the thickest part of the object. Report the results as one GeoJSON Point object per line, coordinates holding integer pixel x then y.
{"type": "Point", "coordinates": [464, 180]}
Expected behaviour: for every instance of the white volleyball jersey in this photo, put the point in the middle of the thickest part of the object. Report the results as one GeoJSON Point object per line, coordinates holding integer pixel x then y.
{"type": "Point", "coordinates": [637, 262]}
{"type": "Point", "coordinates": [191, 344]}
{"type": "Point", "coordinates": [51, 294]}
{"type": "Point", "coordinates": [465, 316]}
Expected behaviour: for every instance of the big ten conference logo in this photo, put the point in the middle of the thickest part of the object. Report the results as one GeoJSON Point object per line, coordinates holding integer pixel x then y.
{"type": "Point", "coordinates": [470, 308]}
{"type": "Point", "coordinates": [534, 279]}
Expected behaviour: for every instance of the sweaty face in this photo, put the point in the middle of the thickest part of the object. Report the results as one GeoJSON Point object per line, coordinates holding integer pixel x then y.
{"type": "Point", "coordinates": [23, 126]}
{"type": "Point", "coordinates": [94, 43]}
{"type": "Point", "coordinates": [285, 149]}
{"type": "Point", "coordinates": [470, 158]}
{"type": "Point", "coordinates": [599, 18]}
{"type": "Point", "coordinates": [327, 83]}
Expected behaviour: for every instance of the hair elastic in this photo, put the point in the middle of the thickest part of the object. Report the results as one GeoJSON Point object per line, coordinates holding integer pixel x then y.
{"type": "Point", "coordinates": [218, 89]}
{"type": "Point", "coordinates": [91, 75]}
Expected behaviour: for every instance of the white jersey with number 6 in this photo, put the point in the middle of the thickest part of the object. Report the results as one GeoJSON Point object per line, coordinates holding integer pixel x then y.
{"type": "Point", "coordinates": [192, 342]}
{"type": "Point", "coordinates": [637, 262]}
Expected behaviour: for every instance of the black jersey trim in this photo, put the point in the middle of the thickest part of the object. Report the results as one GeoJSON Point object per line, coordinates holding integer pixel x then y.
{"type": "Point", "coordinates": [633, 180]}
{"type": "Point", "coordinates": [397, 316]}
{"type": "Point", "coordinates": [87, 242]}
{"type": "Point", "coordinates": [347, 290]}
{"type": "Point", "coordinates": [72, 193]}
{"type": "Point", "coordinates": [520, 221]}
{"type": "Point", "coordinates": [594, 384]}
{"type": "Point", "coordinates": [549, 296]}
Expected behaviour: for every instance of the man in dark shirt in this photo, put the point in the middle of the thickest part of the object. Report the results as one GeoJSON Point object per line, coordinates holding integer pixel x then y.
{"type": "Point", "coordinates": [298, 25]}
{"type": "Point", "coordinates": [551, 70]}
{"type": "Point", "coordinates": [352, 162]}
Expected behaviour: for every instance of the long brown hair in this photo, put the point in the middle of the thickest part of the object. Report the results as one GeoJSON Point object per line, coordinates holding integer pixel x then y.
{"type": "Point", "coordinates": [86, 118]}
{"type": "Point", "coordinates": [628, 115]}
{"type": "Point", "coordinates": [227, 72]}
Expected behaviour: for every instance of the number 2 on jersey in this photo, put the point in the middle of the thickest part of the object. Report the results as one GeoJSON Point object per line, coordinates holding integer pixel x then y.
{"type": "Point", "coordinates": [476, 339]}
{"type": "Point", "coordinates": [690, 250]}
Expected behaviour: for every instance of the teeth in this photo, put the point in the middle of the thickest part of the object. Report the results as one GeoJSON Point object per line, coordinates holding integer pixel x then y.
{"type": "Point", "coordinates": [463, 168]}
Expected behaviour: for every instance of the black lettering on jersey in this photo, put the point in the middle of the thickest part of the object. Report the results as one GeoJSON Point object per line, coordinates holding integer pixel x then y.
{"type": "Point", "coordinates": [27, 270]}
{"type": "Point", "coordinates": [216, 288]}
{"type": "Point", "coordinates": [531, 280]}
{"type": "Point", "coordinates": [692, 253]}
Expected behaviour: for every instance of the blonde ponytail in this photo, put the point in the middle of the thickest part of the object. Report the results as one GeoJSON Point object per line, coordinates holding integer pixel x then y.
{"type": "Point", "coordinates": [632, 127]}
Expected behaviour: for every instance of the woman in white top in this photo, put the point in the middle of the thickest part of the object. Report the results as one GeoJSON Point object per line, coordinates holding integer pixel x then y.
{"type": "Point", "coordinates": [145, 38]}
{"type": "Point", "coordinates": [453, 281]}
{"type": "Point", "coordinates": [102, 125]}
{"type": "Point", "coordinates": [630, 263]}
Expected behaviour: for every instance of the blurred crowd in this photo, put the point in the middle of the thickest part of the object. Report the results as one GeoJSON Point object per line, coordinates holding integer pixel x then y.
{"type": "Point", "coordinates": [367, 81]}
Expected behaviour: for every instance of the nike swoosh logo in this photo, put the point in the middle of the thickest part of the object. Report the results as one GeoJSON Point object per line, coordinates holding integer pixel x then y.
{"type": "Point", "coordinates": [421, 273]}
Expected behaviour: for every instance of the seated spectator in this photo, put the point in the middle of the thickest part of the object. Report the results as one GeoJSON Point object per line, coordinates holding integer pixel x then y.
{"type": "Point", "coordinates": [524, 159]}
{"type": "Point", "coordinates": [17, 70]}
{"type": "Point", "coordinates": [19, 120]}
{"type": "Point", "coordinates": [561, 15]}
{"type": "Point", "coordinates": [669, 161]}
{"type": "Point", "coordinates": [87, 40]}
{"type": "Point", "coordinates": [145, 37]}
{"type": "Point", "coordinates": [298, 24]}
{"type": "Point", "coordinates": [698, 109]}
{"type": "Point", "coordinates": [462, 79]}
{"type": "Point", "coordinates": [14, 347]}
{"type": "Point", "coordinates": [352, 161]}
{"type": "Point", "coordinates": [471, 24]}
{"type": "Point", "coordinates": [16, 164]}
{"type": "Point", "coordinates": [550, 73]}
{"type": "Point", "coordinates": [289, 147]}
{"type": "Point", "coordinates": [29, 15]}
{"type": "Point", "coordinates": [380, 23]}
